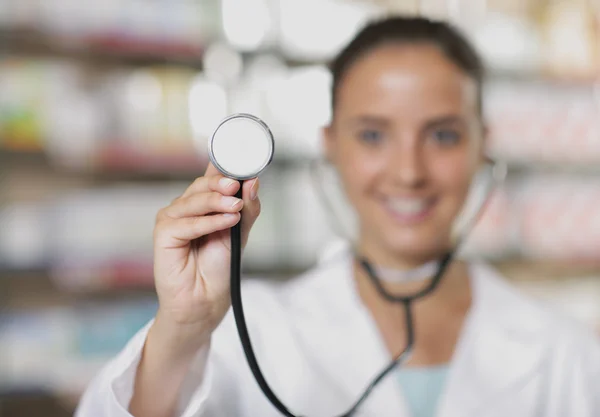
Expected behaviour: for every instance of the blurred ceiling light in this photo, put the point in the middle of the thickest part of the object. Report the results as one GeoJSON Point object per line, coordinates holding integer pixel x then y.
{"type": "Point", "coordinates": [222, 63]}
{"type": "Point", "coordinates": [317, 29]}
{"type": "Point", "coordinates": [463, 13]}
{"type": "Point", "coordinates": [207, 107]}
{"type": "Point", "coordinates": [508, 43]}
{"type": "Point", "coordinates": [310, 94]}
{"type": "Point", "coordinates": [263, 69]}
{"type": "Point", "coordinates": [299, 106]}
{"type": "Point", "coordinates": [407, 7]}
{"type": "Point", "coordinates": [261, 72]}
{"type": "Point", "coordinates": [456, 9]}
{"type": "Point", "coordinates": [434, 9]}
{"type": "Point", "coordinates": [468, 15]}
{"type": "Point", "coordinates": [246, 23]}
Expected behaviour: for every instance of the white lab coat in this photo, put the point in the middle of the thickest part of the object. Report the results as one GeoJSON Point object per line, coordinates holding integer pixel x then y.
{"type": "Point", "coordinates": [318, 348]}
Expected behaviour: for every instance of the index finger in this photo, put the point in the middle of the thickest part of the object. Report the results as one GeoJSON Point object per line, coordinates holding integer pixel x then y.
{"type": "Point", "coordinates": [211, 181]}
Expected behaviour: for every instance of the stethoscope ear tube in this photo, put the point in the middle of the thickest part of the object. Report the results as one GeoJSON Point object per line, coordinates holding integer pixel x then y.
{"type": "Point", "coordinates": [487, 180]}
{"type": "Point", "coordinates": [433, 283]}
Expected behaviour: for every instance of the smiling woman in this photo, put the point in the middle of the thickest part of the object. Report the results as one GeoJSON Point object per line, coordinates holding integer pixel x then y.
{"type": "Point", "coordinates": [407, 139]}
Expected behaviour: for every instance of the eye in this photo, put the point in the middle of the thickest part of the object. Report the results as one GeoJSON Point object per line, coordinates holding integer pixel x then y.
{"type": "Point", "coordinates": [446, 136]}
{"type": "Point", "coordinates": [370, 136]}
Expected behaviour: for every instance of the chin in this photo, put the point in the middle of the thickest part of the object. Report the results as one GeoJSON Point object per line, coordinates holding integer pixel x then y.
{"type": "Point", "coordinates": [417, 249]}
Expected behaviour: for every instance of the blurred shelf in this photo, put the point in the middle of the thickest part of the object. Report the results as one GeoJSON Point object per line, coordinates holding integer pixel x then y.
{"type": "Point", "coordinates": [119, 160]}
{"type": "Point", "coordinates": [34, 402]}
{"type": "Point", "coordinates": [115, 49]}
{"type": "Point", "coordinates": [35, 289]}
{"type": "Point", "coordinates": [545, 79]}
{"type": "Point", "coordinates": [518, 168]}
{"type": "Point", "coordinates": [112, 163]}
{"type": "Point", "coordinates": [529, 270]}
{"type": "Point", "coordinates": [22, 156]}
{"type": "Point", "coordinates": [121, 50]}
{"type": "Point", "coordinates": [127, 163]}
{"type": "Point", "coordinates": [38, 287]}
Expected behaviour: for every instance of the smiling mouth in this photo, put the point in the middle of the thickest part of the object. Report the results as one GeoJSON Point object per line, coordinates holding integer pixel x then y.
{"type": "Point", "coordinates": [409, 210]}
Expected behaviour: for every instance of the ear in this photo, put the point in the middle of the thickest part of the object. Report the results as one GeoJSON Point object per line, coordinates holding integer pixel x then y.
{"type": "Point", "coordinates": [328, 143]}
{"type": "Point", "coordinates": [485, 132]}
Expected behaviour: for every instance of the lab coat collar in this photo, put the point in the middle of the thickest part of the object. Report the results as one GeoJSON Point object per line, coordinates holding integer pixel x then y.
{"type": "Point", "coordinates": [501, 345]}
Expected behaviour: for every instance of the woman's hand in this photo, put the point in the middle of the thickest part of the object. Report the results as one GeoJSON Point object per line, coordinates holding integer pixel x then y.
{"type": "Point", "coordinates": [191, 271]}
{"type": "Point", "coordinates": [192, 254]}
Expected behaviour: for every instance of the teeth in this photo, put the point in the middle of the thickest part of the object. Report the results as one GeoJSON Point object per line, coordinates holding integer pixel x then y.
{"type": "Point", "coordinates": [407, 206]}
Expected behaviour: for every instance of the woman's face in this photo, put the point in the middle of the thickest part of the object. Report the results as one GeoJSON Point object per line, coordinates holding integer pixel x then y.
{"type": "Point", "coordinates": [406, 140]}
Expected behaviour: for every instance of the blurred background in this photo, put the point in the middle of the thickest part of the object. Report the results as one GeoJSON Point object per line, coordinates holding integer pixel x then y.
{"type": "Point", "coordinates": [105, 109]}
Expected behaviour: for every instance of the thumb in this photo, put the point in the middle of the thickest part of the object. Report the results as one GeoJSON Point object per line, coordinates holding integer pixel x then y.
{"type": "Point", "coordinates": [251, 209]}
{"type": "Point", "coordinates": [211, 170]}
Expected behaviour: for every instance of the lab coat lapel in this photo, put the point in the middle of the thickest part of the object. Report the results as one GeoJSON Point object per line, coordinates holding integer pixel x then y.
{"type": "Point", "coordinates": [502, 347]}
{"type": "Point", "coordinates": [348, 349]}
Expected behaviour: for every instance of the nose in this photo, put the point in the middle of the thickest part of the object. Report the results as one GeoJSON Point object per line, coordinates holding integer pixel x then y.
{"type": "Point", "coordinates": [407, 165]}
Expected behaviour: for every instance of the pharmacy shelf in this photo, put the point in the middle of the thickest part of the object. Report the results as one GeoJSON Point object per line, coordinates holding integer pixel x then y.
{"type": "Point", "coordinates": [544, 79]}
{"type": "Point", "coordinates": [122, 163]}
{"type": "Point", "coordinates": [117, 163]}
{"type": "Point", "coordinates": [529, 270]}
{"type": "Point", "coordinates": [40, 287]}
{"type": "Point", "coordinates": [119, 50]}
{"type": "Point", "coordinates": [35, 289]}
{"type": "Point", "coordinates": [107, 49]}
{"type": "Point", "coordinates": [577, 169]}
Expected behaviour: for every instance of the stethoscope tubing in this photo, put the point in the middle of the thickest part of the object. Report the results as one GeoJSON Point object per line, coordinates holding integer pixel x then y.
{"type": "Point", "coordinates": [238, 308]}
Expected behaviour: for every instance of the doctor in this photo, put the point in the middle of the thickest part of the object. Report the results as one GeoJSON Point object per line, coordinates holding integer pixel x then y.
{"type": "Point", "coordinates": [406, 137]}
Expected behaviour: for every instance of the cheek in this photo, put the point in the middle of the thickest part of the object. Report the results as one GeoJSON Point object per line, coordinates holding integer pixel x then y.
{"type": "Point", "coordinates": [454, 176]}
{"type": "Point", "coordinates": [358, 173]}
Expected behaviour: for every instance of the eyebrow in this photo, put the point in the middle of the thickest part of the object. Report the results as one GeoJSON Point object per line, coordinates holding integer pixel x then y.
{"type": "Point", "coordinates": [383, 121]}
{"type": "Point", "coordinates": [444, 121]}
{"type": "Point", "coordinates": [370, 120]}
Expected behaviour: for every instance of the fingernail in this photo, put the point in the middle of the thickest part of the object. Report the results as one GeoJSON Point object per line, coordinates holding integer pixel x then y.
{"type": "Point", "coordinates": [231, 201]}
{"type": "Point", "coordinates": [254, 190]}
{"type": "Point", "coordinates": [226, 182]}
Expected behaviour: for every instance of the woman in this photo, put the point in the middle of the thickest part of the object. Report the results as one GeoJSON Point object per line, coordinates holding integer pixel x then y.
{"type": "Point", "coordinates": [406, 137]}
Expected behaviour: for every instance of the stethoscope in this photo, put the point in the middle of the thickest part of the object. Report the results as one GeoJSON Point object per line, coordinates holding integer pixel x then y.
{"type": "Point", "coordinates": [242, 147]}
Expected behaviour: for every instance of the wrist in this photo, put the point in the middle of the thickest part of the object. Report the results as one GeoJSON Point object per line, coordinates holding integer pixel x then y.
{"type": "Point", "coordinates": [179, 341]}
{"type": "Point", "coordinates": [170, 353]}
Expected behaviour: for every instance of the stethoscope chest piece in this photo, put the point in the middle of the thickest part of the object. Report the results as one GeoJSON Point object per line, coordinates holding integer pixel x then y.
{"type": "Point", "coordinates": [241, 147]}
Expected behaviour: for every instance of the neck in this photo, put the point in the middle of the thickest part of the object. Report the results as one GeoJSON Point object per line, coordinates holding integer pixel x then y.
{"type": "Point", "coordinates": [387, 259]}
{"type": "Point", "coordinates": [453, 284]}
{"type": "Point", "coordinates": [437, 317]}
{"type": "Point", "coordinates": [454, 281]}
{"type": "Point", "coordinates": [380, 254]}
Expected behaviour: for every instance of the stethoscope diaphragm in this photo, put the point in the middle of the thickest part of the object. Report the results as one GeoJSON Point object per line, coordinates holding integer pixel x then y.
{"type": "Point", "coordinates": [241, 147]}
